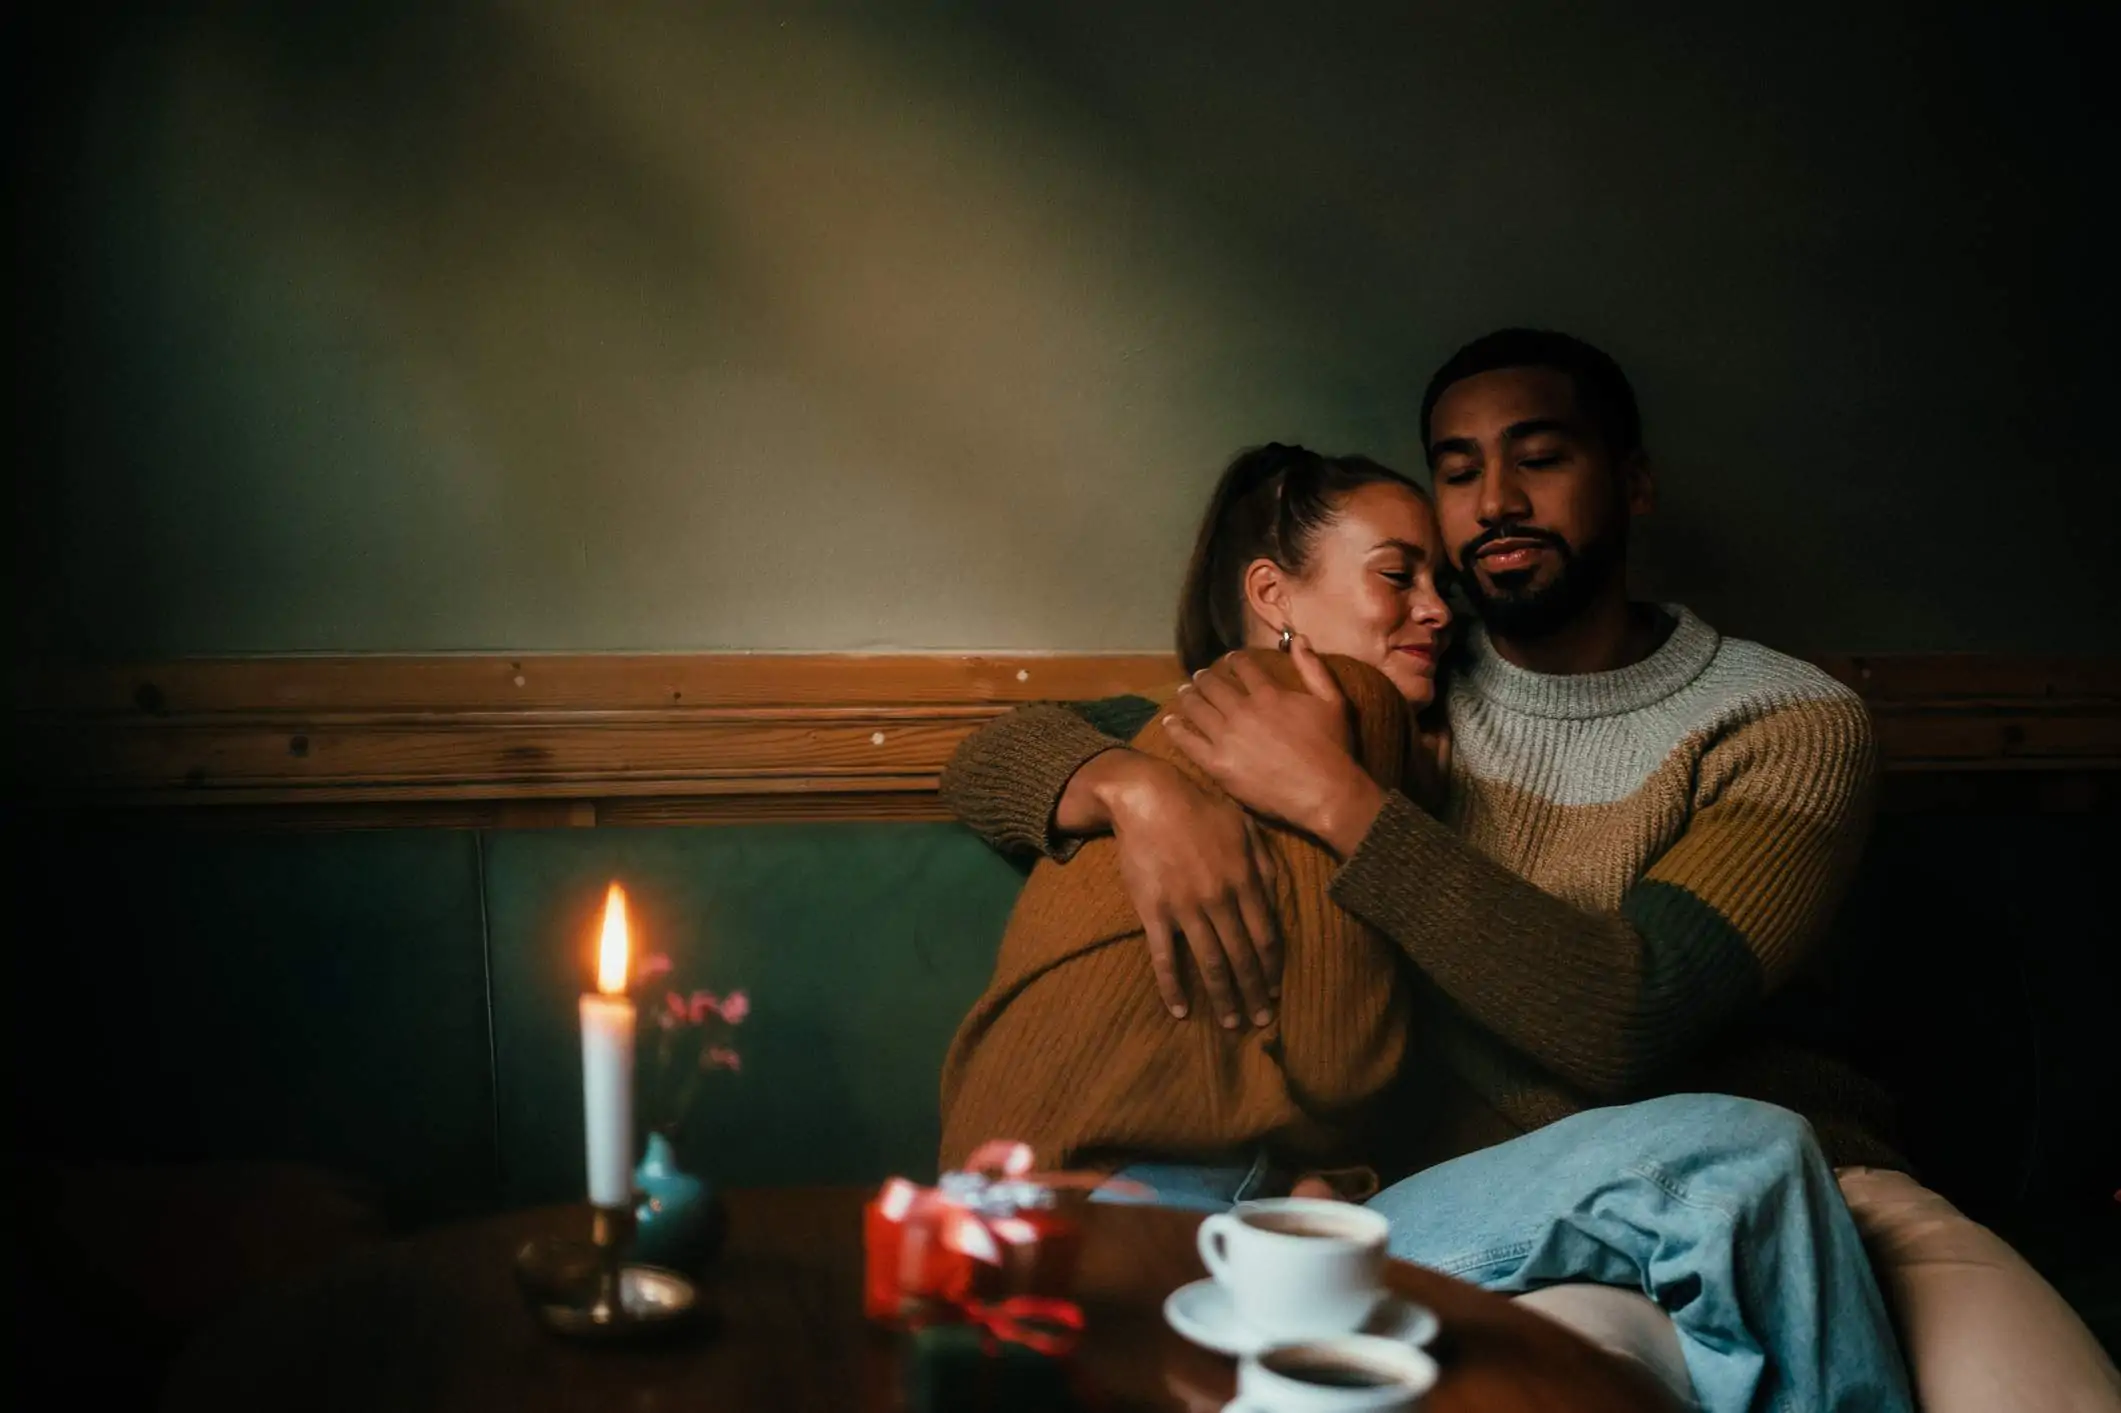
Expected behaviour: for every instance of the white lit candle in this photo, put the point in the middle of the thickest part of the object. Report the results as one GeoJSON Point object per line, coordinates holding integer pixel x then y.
{"type": "Point", "coordinates": [607, 1064]}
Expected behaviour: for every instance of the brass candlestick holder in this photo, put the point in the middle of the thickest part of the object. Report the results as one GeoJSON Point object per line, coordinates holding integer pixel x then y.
{"type": "Point", "coordinates": [589, 1291]}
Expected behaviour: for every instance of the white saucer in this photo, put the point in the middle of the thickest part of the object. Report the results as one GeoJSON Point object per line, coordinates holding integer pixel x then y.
{"type": "Point", "coordinates": [1202, 1313]}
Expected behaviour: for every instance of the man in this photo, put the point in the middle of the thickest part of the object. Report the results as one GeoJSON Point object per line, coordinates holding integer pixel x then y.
{"type": "Point", "coordinates": [1649, 826]}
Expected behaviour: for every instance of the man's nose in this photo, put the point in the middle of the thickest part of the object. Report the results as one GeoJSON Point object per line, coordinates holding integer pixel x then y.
{"type": "Point", "coordinates": [1502, 496]}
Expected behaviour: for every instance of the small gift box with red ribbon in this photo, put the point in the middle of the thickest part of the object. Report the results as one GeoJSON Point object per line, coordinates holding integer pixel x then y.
{"type": "Point", "coordinates": [990, 1233]}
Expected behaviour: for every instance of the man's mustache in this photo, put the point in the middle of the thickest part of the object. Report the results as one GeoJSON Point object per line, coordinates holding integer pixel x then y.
{"type": "Point", "coordinates": [1511, 530]}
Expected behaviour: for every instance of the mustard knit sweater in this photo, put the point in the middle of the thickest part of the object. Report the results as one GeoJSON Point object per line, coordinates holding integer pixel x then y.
{"type": "Point", "coordinates": [1071, 1050]}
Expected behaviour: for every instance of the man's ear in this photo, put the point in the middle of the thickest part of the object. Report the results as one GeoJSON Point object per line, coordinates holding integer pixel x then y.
{"type": "Point", "coordinates": [1638, 483]}
{"type": "Point", "coordinates": [1267, 593]}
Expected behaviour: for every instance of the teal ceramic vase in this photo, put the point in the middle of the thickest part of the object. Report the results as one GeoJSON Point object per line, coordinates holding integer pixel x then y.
{"type": "Point", "coordinates": [680, 1222]}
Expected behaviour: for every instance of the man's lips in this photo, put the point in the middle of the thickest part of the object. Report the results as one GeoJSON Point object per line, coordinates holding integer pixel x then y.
{"type": "Point", "coordinates": [1505, 555]}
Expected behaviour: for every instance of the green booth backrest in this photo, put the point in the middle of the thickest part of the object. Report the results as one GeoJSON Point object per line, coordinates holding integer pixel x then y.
{"type": "Point", "coordinates": [859, 945]}
{"type": "Point", "coordinates": [400, 1006]}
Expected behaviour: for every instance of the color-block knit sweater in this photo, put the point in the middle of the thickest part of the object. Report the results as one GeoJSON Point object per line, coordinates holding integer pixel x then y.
{"type": "Point", "coordinates": [1628, 863]}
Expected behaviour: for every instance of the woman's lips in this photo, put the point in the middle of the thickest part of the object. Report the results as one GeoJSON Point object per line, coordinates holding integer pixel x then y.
{"type": "Point", "coordinates": [1426, 652]}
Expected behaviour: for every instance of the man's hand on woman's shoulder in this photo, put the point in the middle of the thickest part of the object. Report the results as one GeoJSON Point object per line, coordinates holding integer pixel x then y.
{"type": "Point", "coordinates": [1283, 751]}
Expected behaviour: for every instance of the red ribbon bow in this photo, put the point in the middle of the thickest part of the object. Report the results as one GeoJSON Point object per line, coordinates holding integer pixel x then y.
{"type": "Point", "coordinates": [1051, 1326]}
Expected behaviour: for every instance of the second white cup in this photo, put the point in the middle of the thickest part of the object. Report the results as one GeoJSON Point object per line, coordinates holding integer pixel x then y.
{"type": "Point", "coordinates": [1341, 1374]}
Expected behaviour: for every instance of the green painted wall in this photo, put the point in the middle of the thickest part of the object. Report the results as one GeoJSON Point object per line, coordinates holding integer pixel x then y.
{"type": "Point", "coordinates": [401, 326]}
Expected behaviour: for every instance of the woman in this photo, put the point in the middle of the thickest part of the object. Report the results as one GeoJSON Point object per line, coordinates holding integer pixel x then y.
{"type": "Point", "coordinates": [1723, 1207]}
{"type": "Point", "coordinates": [1344, 549]}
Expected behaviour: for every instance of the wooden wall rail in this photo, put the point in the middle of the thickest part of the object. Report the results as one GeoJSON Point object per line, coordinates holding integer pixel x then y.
{"type": "Point", "coordinates": [639, 739]}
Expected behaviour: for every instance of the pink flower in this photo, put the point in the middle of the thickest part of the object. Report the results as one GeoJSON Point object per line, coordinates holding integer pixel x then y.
{"type": "Point", "coordinates": [703, 1006]}
{"type": "Point", "coordinates": [653, 965]}
{"type": "Point", "coordinates": [735, 1006]}
{"type": "Point", "coordinates": [721, 1057]}
{"type": "Point", "coordinates": [675, 1008]}
{"type": "Point", "coordinates": [666, 1021]}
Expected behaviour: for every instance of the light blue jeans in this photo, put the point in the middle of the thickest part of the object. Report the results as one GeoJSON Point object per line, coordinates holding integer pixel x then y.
{"type": "Point", "coordinates": [1721, 1210]}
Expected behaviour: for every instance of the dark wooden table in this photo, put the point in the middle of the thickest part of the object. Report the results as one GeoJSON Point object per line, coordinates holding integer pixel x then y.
{"type": "Point", "coordinates": [434, 1324]}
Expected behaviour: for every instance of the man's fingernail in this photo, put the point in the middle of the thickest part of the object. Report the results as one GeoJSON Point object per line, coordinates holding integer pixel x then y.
{"type": "Point", "coordinates": [1263, 1016]}
{"type": "Point", "coordinates": [1199, 672]}
{"type": "Point", "coordinates": [1179, 1012]}
{"type": "Point", "coordinates": [1230, 1021]}
{"type": "Point", "coordinates": [1170, 721]}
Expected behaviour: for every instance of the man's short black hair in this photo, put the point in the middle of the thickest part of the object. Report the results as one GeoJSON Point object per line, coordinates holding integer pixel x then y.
{"type": "Point", "coordinates": [1602, 390]}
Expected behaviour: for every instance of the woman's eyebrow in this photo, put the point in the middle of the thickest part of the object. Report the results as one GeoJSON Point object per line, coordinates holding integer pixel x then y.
{"type": "Point", "coordinates": [1406, 547]}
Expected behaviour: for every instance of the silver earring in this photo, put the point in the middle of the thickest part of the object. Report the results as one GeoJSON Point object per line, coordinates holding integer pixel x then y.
{"type": "Point", "coordinates": [1288, 636]}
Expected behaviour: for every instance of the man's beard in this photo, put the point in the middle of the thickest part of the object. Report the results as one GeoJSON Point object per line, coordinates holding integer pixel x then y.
{"type": "Point", "coordinates": [1516, 609]}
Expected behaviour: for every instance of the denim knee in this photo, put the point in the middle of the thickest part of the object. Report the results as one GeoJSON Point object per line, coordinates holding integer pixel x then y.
{"type": "Point", "coordinates": [1701, 1125]}
{"type": "Point", "coordinates": [1770, 1128]}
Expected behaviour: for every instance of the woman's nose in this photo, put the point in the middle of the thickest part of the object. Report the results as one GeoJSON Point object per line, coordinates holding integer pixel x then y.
{"type": "Point", "coordinates": [1432, 611]}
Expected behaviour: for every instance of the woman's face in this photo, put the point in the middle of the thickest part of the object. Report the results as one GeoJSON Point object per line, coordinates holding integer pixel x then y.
{"type": "Point", "coordinates": [1369, 591]}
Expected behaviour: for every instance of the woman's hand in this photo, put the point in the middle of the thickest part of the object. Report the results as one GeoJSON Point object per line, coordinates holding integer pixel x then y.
{"type": "Point", "coordinates": [1283, 752]}
{"type": "Point", "coordinates": [1194, 866]}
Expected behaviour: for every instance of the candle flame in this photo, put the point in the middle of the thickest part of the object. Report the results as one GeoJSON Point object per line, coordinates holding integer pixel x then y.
{"type": "Point", "coordinates": [612, 950]}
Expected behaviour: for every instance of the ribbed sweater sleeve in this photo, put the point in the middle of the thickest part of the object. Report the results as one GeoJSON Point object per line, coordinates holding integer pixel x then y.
{"type": "Point", "coordinates": [1005, 780]}
{"type": "Point", "coordinates": [1608, 1001]}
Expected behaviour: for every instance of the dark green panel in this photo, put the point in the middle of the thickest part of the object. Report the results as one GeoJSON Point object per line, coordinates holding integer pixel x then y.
{"type": "Point", "coordinates": [307, 997]}
{"type": "Point", "coordinates": [860, 945]}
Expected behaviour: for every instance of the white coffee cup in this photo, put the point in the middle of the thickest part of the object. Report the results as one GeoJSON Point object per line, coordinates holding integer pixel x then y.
{"type": "Point", "coordinates": [1343, 1374]}
{"type": "Point", "coordinates": [1297, 1267]}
